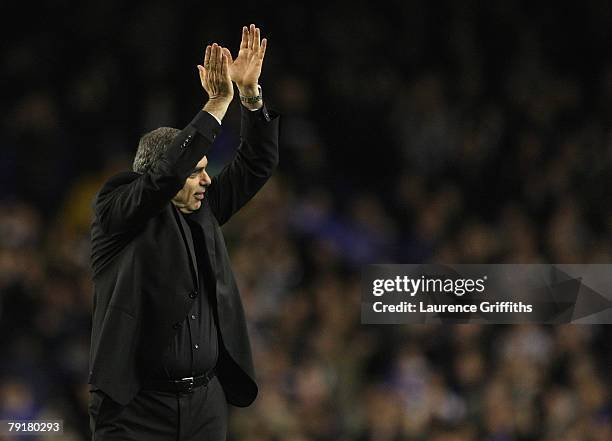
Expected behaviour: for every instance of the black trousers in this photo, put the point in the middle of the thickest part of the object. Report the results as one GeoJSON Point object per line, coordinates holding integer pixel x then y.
{"type": "Point", "coordinates": [161, 416]}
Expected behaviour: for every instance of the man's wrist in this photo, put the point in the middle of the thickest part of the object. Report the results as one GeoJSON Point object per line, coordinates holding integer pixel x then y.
{"type": "Point", "coordinates": [248, 89]}
{"type": "Point", "coordinates": [251, 97]}
{"type": "Point", "coordinates": [217, 106]}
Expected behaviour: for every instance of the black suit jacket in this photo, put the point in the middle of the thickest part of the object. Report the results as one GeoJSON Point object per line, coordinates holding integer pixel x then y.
{"type": "Point", "coordinates": [144, 264]}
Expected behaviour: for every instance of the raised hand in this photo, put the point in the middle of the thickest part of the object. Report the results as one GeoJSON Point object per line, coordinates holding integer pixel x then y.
{"type": "Point", "coordinates": [216, 81]}
{"type": "Point", "coordinates": [246, 68]}
{"type": "Point", "coordinates": [214, 74]}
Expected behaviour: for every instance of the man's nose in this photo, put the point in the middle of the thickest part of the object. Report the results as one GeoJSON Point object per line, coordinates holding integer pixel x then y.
{"type": "Point", "coordinates": [205, 179]}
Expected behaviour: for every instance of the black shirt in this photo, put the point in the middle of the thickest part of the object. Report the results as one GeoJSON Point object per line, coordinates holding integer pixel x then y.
{"type": "Point", "coordinates": [194, 348]}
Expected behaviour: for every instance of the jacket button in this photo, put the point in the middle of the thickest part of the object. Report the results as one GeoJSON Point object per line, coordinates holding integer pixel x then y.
{"type": "Point", "coordinates": [193, 294]}
{"type": "Point", "coordinates": [177, 325]}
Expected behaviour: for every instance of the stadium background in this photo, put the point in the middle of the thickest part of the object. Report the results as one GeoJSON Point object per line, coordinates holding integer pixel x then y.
{"type": "Point", "coordinates": [413, 131]}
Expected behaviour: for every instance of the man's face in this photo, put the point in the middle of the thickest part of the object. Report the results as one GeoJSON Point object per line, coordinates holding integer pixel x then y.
{"type": "Point", "coordinates": [189, 199]}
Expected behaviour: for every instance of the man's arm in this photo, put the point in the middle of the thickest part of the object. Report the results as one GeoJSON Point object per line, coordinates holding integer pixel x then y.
{"type": "Point", "coordinates": [257, 155]}
{"type": "Point", "coordinates": [251, 167]}
{"type": "Point", "coordinates": [126, 206]}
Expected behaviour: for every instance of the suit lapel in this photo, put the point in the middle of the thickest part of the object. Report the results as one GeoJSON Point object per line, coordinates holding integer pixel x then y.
{"type": "Point", "coordinates": [188, 239]}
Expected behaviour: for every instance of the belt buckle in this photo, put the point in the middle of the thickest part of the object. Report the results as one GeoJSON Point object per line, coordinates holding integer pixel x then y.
{"type": "Point", "coordinates": [189, 385]}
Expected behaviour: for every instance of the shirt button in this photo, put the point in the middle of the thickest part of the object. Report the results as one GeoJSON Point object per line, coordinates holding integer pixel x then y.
{"type": "Point", "coordinates": [193, 316]}
{"type": "Point", "coordinates": [196, 346]}
{"type": "Point", "coordinates": [193, 294]}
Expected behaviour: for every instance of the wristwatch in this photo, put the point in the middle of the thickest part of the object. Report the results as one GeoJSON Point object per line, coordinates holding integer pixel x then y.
{"type": "Point", "coordinates": [252, 99]}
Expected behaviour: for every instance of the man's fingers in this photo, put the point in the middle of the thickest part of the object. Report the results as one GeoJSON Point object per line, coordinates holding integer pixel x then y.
{"type": "Point", "coordinates": [207, 56]}
{"type": "Point", "coordinates": [216, 58]}
{"type": "Point", "coordinates": [244, 43]}
{"type": "Point", "coordinates": [225, 66]}
{"type": "Point", "coordinates": [214, 73]}
{"type": "Point", "coordinates": [262, 49]}
{"type": "Point", "coordinates": [251, 35]}
{"type": "Point", "coordinates": [219, 58]}
{"type": "Point", "coordinates": [228, 54]}
{"type": "Point", "coordinates": [256, 39]}
{"type": "Point", "coordinates": [212, 67]}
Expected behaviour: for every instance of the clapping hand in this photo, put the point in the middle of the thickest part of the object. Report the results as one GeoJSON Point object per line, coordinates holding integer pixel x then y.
{"type": "Point", "coordinates": [216, 81]}
{"type": "Point", "coordinates": [246, 68]}
{"type": "Point", "coordinates": [214, 74]}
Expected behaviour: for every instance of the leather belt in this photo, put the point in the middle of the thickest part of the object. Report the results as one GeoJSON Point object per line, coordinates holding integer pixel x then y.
{"type": "Point", "coordinates": [184, 385]}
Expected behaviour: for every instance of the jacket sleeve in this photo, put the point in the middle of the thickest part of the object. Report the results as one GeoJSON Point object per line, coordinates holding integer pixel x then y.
{"type": "Point", "coordinates": [251, 167]}
{"type": "Point", "coordinates": [124, 206]}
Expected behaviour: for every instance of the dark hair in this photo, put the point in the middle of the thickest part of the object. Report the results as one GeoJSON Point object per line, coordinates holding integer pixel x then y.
{"type": "Point", "coordinates": [151, 147]}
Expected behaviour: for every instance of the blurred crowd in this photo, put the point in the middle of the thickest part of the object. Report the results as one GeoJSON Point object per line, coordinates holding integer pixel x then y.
{"type": "Point", "coordinates": [412, 132]}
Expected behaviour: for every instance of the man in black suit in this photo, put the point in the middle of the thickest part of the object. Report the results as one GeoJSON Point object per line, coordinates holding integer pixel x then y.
{"type": "Point", "coordinates": [169, 345]}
